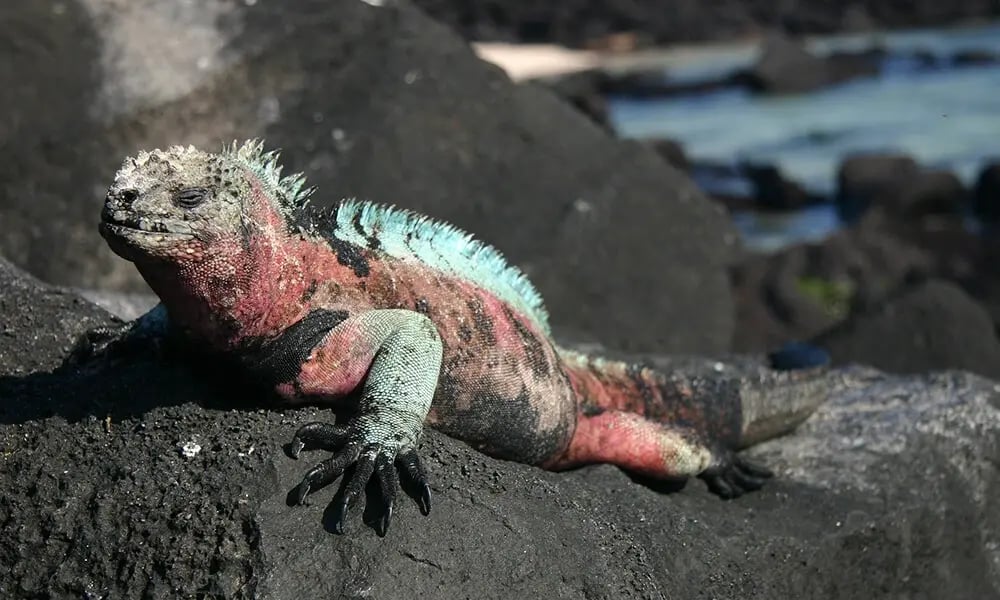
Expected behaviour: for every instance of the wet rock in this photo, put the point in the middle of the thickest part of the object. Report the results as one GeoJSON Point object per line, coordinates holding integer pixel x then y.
{"type": "Point", "coordinates": [932, 192]}
{"type": "Point", "coordinates": [986, 198]}
{"type": "Point", "coordinates": [863, 179]}
{"type": "Point", "coordinates": [785, 66]}
{"type": "Point", "coordinates": [772, 191]}
{"type": "Point", "coordinates": [899, 186]}
{"type": "Point", "coordinates": [154, 478]}
{"type": "Point", "coordinates": [930, 327]}
{"type": "Point", "coordinates": [806, 289]}
{"type": "Point", "coordinates": [370, 100]}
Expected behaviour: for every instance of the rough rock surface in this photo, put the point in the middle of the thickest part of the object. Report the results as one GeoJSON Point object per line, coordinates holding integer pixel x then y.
{"type": "Point", "coordinates": [803, 290]}
{"type": "Point", "coordinates": [378, 102]}
{"type": "Point", "coordinates": [934, 325]}
{"type": "Point", "coordinates": [887, 492]}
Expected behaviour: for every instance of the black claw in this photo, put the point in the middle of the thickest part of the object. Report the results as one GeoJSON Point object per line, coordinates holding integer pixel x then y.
{"type": "Point", "coordinates": [340, 515]}
{"type": "Point", "coordinates": [362, 473]}
{"type": "Point", "coordinates": [425, 500]}
{"type": "Point", "coordinates": [325, 472]}
{"type": "Point", "coordinates": [386, 517]}
{"type": "Point", "coordinates": [389, 482]}
{"type": "Point", "coordinates": [301, 491]}
{"type": "Point", "coordinates": [296, 447]}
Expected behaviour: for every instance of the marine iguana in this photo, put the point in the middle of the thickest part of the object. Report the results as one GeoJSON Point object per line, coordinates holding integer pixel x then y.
{"type": "Point", "coordinates": [412, 322]}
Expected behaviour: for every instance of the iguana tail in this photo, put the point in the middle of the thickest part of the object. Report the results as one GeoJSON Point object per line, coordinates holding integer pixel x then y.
{"type": "Point", "coordinates": [724, 405]}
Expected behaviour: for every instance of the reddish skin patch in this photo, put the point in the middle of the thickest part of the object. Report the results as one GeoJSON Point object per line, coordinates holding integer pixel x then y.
{"type": "Point", "coordinates": [624, 439]}
{"type": "Point", "coordinates": [337, 366]}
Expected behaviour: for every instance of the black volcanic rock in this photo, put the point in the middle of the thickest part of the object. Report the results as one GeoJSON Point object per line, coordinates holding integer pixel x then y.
{"type": "Point", "coordinates": [375, 102]}
{"type": "Point", "coordinates": [144, 478]}
{"type": "Point", "coordinates": [932, 326]}
{"type": "Point", "coordinates": [865, 179]}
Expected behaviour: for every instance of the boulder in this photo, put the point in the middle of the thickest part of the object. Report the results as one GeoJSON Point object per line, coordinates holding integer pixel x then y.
{"type": "Point", "coordinates": [803, 290]}
{"type": "Point", "coordinates": [986, 198]}
{"type": "Point", "coordinates": [933, 192]}
{"type": "Point", "coordinates": [785, 66]}
{"type": "Point", "coordinates": [931, 326]}
{"type": "Point", "coordinates": [862, 179]}
{"type": "Point", "coordinates": [371, 100]}
{"type": "Point", "coordinates": [585, 90]}
{"type": "Point", "coordinates": [145, 478]}
{"type": "Point", "coordinates": [773, 191]}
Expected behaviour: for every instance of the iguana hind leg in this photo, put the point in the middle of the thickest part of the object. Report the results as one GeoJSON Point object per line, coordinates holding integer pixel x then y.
{"type": "Point", "coordinates": [640, 445]}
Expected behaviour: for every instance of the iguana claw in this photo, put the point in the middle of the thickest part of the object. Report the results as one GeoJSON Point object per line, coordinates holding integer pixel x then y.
{"type": "Point", "coordinates": [734, 477]}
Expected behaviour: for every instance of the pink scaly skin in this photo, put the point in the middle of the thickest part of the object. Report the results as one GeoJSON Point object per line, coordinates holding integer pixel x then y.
{"type": "Point", "coordinates": [409, 318]}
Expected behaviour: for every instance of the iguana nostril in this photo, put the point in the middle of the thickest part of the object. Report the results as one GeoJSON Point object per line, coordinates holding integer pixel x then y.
{"type": "Point", "coordinates": [128, 196]}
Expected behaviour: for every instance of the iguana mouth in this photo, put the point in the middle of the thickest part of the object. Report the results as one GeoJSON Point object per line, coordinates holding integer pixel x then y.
{"type": "Point", "coordinates": [120, 222]}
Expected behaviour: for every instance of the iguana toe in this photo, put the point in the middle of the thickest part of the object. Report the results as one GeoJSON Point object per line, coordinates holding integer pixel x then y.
{"type": "Point", "coordinates": [318, 435]}
{"type": "Point", "coordinates": [735, 476]}
{"type": "Point", "coordinates": [410, 463]}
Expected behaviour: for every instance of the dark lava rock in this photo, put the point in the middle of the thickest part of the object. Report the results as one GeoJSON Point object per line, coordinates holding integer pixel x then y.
{"type": "Point", "coordinates": [932, 192]}
{"type": "Point", "coordinates": [785, 66]}
{"type": "Point", "coordinates": [585, 90]}
{"type": "Point", "coordinates": [899, 186]}
{"type": "Point", "coordinates": [801, 291]}
{"type": "Point", "coordinates": [773, 191]}
{"type": "Point", "coordinates": [863, 179]}
{"type": "Point", "coordinates": [153, 479]}
{"type": "Point", "coordinates": [579, 22]}
{"type": "Point", "coordinates": [986, 200]}
{"type": "Point", "coordinates": [670, 150]}
{"type": "Point", "coordinates": [933, 326]}
{"type": "Point", "coordinates": [376, 102]}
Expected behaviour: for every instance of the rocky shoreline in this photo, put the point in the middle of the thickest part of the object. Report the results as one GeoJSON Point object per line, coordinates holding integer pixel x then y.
{"type": "Point", "coordinates": [629, 24]}
{"type": "Point", "coordinates": [892, 483]}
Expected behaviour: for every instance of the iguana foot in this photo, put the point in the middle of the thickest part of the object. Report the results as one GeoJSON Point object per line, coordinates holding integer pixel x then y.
{"type": "Point", "coordinates": [96, 343]}
{"type": "Point", "coordinates": [145, 335]}
{"type": "Point", "coordinates": [368, 459]}
{"type": "Point", "coordinates": [734, 477]}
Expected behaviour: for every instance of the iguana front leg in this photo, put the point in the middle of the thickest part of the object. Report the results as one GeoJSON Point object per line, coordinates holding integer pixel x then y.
{"type": "Point", "coordinates": [394, 356]}
{"type": "Point", "coordinates": [146, 333]}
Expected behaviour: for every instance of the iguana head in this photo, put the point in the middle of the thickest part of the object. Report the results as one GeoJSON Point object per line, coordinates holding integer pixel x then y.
{"type": "Point", "coordinates": [212, 233]}
{"type": "Point", "coordinates": [181, 205]}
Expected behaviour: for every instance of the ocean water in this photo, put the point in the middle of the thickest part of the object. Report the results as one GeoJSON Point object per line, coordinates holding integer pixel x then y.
{"type": "Point", "coordinates": [944, 116]}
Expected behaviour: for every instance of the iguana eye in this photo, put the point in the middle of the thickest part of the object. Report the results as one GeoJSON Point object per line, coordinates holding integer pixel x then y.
{"type": "Point", "coordinates": [190, 197]}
